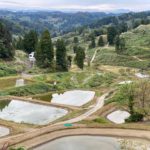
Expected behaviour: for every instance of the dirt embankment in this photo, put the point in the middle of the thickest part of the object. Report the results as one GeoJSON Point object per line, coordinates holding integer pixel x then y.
{"type": "Point", "coordinates": [86, 131]}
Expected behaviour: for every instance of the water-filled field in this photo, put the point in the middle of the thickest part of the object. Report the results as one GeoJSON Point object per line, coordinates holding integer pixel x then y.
{"type": "Point", "coordinates": [118, 116]}
{"type": "Point", "coordinates": [75, 98]}
{"type": "Point", "coordinates": [82, 143]}
{"type": "Point", "coordinates": [26, 112]}
{"type": "Point", "coordinates": [4, 131]}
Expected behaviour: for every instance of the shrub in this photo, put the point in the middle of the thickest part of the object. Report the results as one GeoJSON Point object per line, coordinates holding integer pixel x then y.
{"type": "Point", "coordinates": [29, 90]}
{"type": "Point", "coordinates": [6, 71]}
{"type": "Point", "coordinates": [136, 117]}
{"type": "Point", "coordinates": [20, 148]}
{"type": "Point", "coordinates": [101, 80]}
{"type": "Point", "coordinates": [100, 120]}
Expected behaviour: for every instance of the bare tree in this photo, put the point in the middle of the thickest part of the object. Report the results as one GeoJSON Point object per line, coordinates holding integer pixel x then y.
{"type": "Point", "coordinates": [143, 96]}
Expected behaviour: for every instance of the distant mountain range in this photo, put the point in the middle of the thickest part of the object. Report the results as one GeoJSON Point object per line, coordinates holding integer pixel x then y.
{"type": "Point", "coordinates": [66, 10]}
{"type": "Point", "coordinates": [56, 22]}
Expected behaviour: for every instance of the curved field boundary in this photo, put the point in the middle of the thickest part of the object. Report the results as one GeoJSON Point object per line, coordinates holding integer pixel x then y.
{"type": "Point", "coordinates": [121, 133]}
{"type": "Point", "coordinates": [43, 102]}
{"type": "Point", "coordinates": [47, 129]}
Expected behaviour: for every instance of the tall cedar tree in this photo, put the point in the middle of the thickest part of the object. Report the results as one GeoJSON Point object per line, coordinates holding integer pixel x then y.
{"type": "Point", "coordinates": [111, 34]}
{"type": "Point", "coordinates": [92, 44]}
{"type": "Point", "coordinates": [76, 40]}
{"type": "Point", "coordinates": [75, 47]}
{"type": "Point", "coordinates": [19, 43]}
{"type": "Point", "coordinates": [45, 51]}
{"type": "Point", "coordinates": [30, 41]}
{"type": "Point", "coordinates": [61, 56]}
{"type": "Point", "coordinates": [120, 45]}
{"type": "Point", "coordinates": [80, 56]}
{"type": "Point", "coordinates": [101, 42]}
{"type": "Point", "coordinates": [6, 48]}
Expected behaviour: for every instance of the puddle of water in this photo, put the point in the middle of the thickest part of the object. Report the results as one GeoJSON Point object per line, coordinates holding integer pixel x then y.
{"type": "Point", "coordinates": [20, 82]}
{"type": "Point", "coordinates": [4, 131]}
{"type": "Point", "coordinates": [118, 116]}
{"type": "Point", "coordinates": [75, 98]}
{"type": "Point", "coordinates": [125, 82]}
{"type": "Point", "coordinates": [140, 75]}
{"type": "Point", "coordinates": [25, 112]}
{"type": "Point", "coordinates": [82, 143]}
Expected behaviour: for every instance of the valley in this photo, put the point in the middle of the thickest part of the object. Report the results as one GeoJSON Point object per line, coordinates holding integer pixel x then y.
{"type": "Point", "coordinates": [81, 85]}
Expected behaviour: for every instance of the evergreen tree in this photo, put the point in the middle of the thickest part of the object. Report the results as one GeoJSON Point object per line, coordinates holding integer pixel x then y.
{"type": "Point", "coordinates": [6, 48]}
{"type": "Point", "coordinates": [76, 40]}
{"type": "Point", "coordinates": [19, 43]}
{"type": "Point", "coordinates": [69, 59]}
{"type": "Point", "coordinates": [111, 34]}
{"type": "Point", "coordinates": [101, 42]}
{"type": "Point", "coordinates": [120, 45]}
{"type": "Point", "coordinates": [45, 51]}
{"type": "Point", "coordinates": [61, 56]}
{"type": "Point", "coordinates": [80, 56]}
{"type": "Point", "coordinates": [123, 27]}
{"type": "Point", "coordinates": [93, 44]}
{"type": "Point", "coordinates": [30, 41]}
{"type": "Point", "coordinates": [75, 48]}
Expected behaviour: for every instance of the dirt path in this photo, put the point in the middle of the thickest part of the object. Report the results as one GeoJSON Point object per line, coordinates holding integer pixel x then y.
{"type": "Point", "coordinates": [98, 105]}
{"type": "Point", "coordinates": [51, 132]}
{"type": "Point", "coordinates": [137, 58]}
{"type": "Point", "coordinates": [120, 133]}
{"type": "Point", "coordinates": [94, 56]}
{"type": "Point", "coordinates": [37, 132]}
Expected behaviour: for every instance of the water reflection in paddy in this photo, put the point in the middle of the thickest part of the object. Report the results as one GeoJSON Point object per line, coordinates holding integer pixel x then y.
{"type": "Point", "coordinates": [4, 131]}
{"type": "Point", "coordinates": [81, 143]}
{"type": "Point", "coordinates": [19, 111]}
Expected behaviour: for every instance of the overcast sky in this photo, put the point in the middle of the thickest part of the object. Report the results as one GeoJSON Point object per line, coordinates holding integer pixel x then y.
{"type": "Point", "coordinates": [99, 5]}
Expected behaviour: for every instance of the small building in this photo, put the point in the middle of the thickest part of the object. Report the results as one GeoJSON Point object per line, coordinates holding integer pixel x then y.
{"type": "Point", "coordinates": [32, 57]}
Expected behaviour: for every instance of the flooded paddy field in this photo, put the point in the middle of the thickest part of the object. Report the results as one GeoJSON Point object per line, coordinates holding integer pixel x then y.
{"type": "Point", "coordinates": [85, 142]}
{"type": "Point", "coordinates": [118, 116]}
{"type": "Point", "coordinates": [30, 113]}
{"type": "Point", "coordinates": [74, 98]}
{"type": "Point", "coordinates": [81, 143]}
{"type": "Point", "coordinates": [4, 131]}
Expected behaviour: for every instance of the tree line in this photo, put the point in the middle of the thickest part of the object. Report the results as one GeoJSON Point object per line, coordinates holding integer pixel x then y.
{"type": "Point", "coordinates": [51, 55]}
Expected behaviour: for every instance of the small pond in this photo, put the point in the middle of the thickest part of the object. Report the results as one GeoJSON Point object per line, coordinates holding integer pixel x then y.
{"type": "Point", "coordinates": [26, 112]}
{"type": "Point", "coordinates": [4, 131]}
{"type": "Point", "coordinates": [141, 75]}
{"type": "Point", "coordinates": [20, 82]}
{"type": "Point", "coordinates": [118, 116]}
{"type": "Point", "coordinates": [74, 98]}
{"type": "Point", "coordinates": [82, 143]}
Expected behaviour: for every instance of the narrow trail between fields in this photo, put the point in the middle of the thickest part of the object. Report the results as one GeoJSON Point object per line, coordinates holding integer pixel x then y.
{"type": "Point", "coordinates": [137, 58]}
{"type": "Point", "coordinates": [38, 132]}
{"type": "Point", "coordinates": [39, 136]}
{"type": "Point", "coordinates": [93, 58]}
{"type": "Point", "coordinates": [118, 133]}
{"type": "Point", "coordinates": [97, 106]}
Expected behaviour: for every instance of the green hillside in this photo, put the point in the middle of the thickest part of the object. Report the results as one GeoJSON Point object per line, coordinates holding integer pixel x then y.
{"type": "Point", "coordinates": [138, 41]}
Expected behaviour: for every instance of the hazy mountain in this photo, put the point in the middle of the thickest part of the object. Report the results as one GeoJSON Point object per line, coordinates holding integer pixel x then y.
{"type": "Point", "coordinates": [56, 22]}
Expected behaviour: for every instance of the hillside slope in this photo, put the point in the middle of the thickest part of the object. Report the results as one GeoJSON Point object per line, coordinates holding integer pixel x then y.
{"type": "Point", "coordinates": [136, 53]}
{"type": "Point", "coordinates": [138, 41]}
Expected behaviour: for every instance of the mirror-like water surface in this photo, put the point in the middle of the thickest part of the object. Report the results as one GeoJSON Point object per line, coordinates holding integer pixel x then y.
{"type": "Point", "coordinates": [4, 131]}
{"type": "Point", "coordinates": [74, 98]}
{"type": "Point", "coordinates": [82, 143]}
{"type": "Point", "coordinates": [25, 112]}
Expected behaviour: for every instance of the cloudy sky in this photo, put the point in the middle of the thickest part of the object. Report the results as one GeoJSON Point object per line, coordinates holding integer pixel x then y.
{"type": "Point", "coordinates": [98, 5]}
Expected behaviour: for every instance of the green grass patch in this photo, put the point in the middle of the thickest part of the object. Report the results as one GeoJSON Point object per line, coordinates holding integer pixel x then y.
{"type": "Point", "coordinates": [44, 97]}
{"type": "Point", "coordinates": [6, 70]}
{"type": "Point", "coordinates": [27, 90]}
